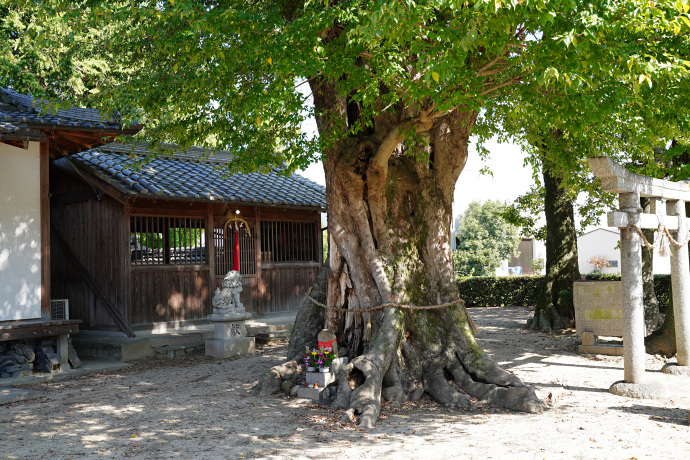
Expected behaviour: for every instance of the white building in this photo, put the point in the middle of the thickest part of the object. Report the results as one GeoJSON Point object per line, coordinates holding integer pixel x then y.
{"type": "Point", "coordinates": [604, 243]}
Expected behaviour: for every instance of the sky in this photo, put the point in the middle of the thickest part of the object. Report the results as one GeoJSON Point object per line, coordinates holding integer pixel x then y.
{"type": "Point", "coordinates": [510, 178]}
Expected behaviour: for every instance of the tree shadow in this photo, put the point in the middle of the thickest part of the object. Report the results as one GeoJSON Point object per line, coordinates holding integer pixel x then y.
{"type": "Point", "coordinates": [674, 416]}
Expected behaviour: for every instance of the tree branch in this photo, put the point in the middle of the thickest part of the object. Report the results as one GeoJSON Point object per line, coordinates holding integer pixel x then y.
{"type": "Point", "coordinates": [396, 135]}
{"type": "Point", "coordinates": [512, 81]}
{"type": "Point", "coordinates": [490, 64]}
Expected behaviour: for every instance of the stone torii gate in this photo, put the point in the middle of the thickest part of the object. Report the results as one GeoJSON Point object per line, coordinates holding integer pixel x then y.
{"type": "Point", "coordinates": [672, 223]}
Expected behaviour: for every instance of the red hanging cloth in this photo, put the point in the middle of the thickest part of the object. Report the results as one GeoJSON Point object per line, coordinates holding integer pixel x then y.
{"type": "Point", "coordinates": [236, 253]}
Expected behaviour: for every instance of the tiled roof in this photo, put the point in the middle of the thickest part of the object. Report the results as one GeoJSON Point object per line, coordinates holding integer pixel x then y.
{"type": "Point", "coordinates": [18, 112]}
{"type": "Point", "coordinates": [186, 176]}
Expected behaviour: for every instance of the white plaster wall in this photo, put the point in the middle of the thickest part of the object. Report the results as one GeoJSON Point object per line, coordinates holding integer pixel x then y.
{"type": "Point", "coordinates": [602, 242]}
{"type": "Point", "coordinates": [598, 243]}
{"type": "Point", "coordinates": [20, 233]}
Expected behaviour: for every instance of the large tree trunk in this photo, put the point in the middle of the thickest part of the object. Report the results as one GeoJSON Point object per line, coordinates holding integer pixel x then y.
{"type": "Point", "coordinates": [555, 309]}
{"type": "Point", "coordinates": [663, 340]}
{"type": "Point", "coordinates": [389, 217]}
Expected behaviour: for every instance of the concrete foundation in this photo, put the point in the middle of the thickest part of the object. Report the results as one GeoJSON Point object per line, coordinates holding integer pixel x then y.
{"type": "Point", "coordinates": [639, 390]}
{"type": "Point", "coordinates": [675, 369]}
{"type": "Point", "coordinates": [230, 348]}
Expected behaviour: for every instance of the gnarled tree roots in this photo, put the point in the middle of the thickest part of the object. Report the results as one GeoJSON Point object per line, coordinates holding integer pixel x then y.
{"type": "Point", "coordinates": [413, 352]}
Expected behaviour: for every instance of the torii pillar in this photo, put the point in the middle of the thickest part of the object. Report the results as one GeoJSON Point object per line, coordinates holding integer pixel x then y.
{"type": "Point", "coordinates": [680, 282]}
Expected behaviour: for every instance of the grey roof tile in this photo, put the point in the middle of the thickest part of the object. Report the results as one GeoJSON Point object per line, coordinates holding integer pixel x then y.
{"type": "Point", "coordinates": [22, 111]}
{"type": "Point", "coordinates": [183, 176]}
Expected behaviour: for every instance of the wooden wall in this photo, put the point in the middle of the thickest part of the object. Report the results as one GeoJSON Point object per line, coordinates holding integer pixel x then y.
{"type": "Point", "coordinates": [98, 233]}
{"type": "Point", "coordinates": [162, 294]}
{"type": "Point", "coordinates": [285, 286]}
{"type": "Point", "coordinates": [93, 230]}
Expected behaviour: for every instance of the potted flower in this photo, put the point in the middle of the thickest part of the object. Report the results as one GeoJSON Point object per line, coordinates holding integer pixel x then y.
{"type": "Point", "coordinates": [324, 359]}
{"type": "Point", "coordinates": [310, 359]}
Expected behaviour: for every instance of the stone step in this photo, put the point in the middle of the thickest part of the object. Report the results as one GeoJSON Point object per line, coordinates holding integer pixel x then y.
{"type": "Point", "coordinates": [273, 336]}
{"type": "Point", "coordinates": [144, 346]}
{"type": "Point", "coordinates": [257, 326]}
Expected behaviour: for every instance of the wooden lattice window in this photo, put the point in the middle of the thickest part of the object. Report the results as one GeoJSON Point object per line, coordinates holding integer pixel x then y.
{"type": "Point", "coordinates": [224, 245]}
{"type": "Point", "coordinates": [167, 240]}
{"type": "Point", "coordinates": [283, 241]}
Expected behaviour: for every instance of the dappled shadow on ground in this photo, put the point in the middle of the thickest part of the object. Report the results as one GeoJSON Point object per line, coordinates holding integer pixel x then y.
{"type": "Point", "coordinates": [503, 334]}
{"type": "Point", "coordinates": [206, 409]}
{"type": "Point", "coordinates": [675, 416]}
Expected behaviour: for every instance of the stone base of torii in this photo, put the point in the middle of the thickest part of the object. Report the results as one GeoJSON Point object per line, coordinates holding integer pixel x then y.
{"type": "Point", "coordinates": [672, 223]}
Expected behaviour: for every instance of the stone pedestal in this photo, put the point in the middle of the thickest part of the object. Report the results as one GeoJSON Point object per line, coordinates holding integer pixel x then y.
{"type": "Point", "coordinates": [230, 335]}
{"type": "Point", "coordinates": [321, 379]}
{"type": "Point", "coordinates": [310, 393]}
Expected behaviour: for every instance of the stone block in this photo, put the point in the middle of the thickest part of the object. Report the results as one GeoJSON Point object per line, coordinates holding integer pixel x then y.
{"type": "Point", "coordinates": [228, 348]}
{"type": "Point", "coordinates": [601, 349]}
{"type": "Point", "coordinates": [273, 336]}
{"type": "Point", "coordinates": [74, 358]}
{"type": "Point", "coordinates": [322, 379]}
{"type": "Point", "coordinates": [229, 330]}
{"type": "Point", "coordinates": [310, 393]}
{"type": "Point", "coordinates": [589, 339]}
{"type": "Point", "coordinates": [598, 308]}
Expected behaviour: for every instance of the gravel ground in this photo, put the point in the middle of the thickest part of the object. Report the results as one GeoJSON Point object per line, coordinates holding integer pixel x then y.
{"type": "Point", "coordinates": [205, 409]}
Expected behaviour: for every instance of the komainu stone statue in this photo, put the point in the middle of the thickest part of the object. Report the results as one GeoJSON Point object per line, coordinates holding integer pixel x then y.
{"type": "Point", "coordinates": [227, 300]}
{"type": "Point", "coordinates": [229, 330]}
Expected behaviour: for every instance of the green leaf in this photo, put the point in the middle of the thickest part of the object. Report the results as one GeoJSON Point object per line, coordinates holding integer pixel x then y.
{"type": "Point", "coordinates": [631, 63]}
{"type": "Point", "coordinates": [435, 76]}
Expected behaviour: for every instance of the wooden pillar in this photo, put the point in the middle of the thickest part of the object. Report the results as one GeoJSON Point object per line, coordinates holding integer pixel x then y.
{"type": "Point", "coordinates": [127, 299]}
{"type": "Point", "coordinates": [319, 234]}
{"type": "Point", "coordinates": [680, 282]}
{"type": "Point", "coordinates": [44, 173]}
{"type": "Point", "coordinates": [257, 301]}
{"type": "Point", "coordinates": [632, 293]}
{"type": "Point", "coordinates": [210, 253]}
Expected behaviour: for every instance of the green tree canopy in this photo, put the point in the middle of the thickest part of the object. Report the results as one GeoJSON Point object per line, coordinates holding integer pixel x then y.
{"type": "Point", "coordinates": [484, 238]}
{"type": "Point", "coordinates": [227, 74]}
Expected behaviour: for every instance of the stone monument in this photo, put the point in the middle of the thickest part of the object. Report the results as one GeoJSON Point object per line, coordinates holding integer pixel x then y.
{"type": "Point", "coordinates": [228, 319]}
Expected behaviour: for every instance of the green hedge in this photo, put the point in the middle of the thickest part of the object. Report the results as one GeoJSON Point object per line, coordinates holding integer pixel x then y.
{"type": "Point", "coordinates": [492, 291]}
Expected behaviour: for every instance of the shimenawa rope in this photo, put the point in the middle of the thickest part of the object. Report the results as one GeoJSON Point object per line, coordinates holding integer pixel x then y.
{"type": "Point", "coordinates": [658, 237]}
{"type": "Point", "coordinates": [381, 307]}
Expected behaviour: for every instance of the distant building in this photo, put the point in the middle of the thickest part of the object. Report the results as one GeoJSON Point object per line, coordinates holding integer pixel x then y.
{"type": "Point", "coordinates": [529, 249]}
{"type": "Point", "coordinates": [604, 243]}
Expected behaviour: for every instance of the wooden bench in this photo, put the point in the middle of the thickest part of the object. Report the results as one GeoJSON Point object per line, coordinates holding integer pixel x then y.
{"type": "Point", "coordinates": [38, 328]}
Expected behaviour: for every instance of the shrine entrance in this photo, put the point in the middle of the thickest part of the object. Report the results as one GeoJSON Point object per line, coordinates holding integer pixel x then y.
{"type": "Point", "coordinates": [668, 217]}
